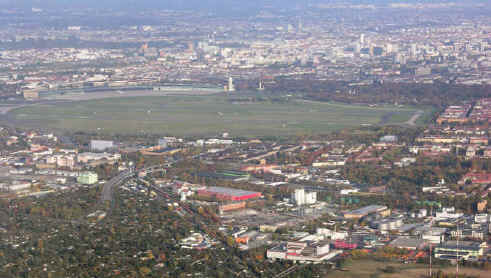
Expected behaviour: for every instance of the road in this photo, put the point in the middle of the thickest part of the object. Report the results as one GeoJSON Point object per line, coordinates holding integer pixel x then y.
{"type": "Point", "coordinates": [287, 272]}
{"type": "Point", "coordinates": [192, 215]}
{"type": "Point", "coordinates": [107, 190]}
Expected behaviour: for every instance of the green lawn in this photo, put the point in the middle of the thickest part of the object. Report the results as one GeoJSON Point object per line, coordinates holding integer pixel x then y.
{"type": "Point", "coordinates": [366, 268]}
{"type": "Point", "coordinates": [206, 115]}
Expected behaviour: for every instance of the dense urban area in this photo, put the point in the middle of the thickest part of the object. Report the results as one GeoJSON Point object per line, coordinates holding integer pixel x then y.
{"type": "Point", "coordinates": [338, 140]}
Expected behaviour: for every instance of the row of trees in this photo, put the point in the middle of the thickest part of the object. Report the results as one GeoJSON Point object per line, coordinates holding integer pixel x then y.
{"type": "Point", "coordinates": [437, 94]}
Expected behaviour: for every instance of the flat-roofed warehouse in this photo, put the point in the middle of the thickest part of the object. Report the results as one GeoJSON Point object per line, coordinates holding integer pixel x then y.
{"type": "Point", "coordinates": [364, 211]}
{"type": "Point", "coordinates": [224, 193]}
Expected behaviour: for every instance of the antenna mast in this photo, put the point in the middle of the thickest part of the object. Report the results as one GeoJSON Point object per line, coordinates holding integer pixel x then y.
{"type": "Point", "coordinates": [431, 246]}
{"type": "Point", "coordinates": [458, 237]}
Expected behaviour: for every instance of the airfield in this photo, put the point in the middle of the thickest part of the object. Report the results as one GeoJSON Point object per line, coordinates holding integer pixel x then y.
{"type": "Point", "coordinates": [203, 114]}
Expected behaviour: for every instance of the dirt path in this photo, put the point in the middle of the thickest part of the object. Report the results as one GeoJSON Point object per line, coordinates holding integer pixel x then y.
{"type": "Point", "coordinates": [415, 117]}
{"type": "Point", "coordinates": [6, 109]}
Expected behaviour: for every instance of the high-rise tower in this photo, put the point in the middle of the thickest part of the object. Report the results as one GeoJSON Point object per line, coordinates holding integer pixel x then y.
{"type": "Point", "coordinates": [231, 86]}
{"type": "Point", "coordinates": [261, 86]}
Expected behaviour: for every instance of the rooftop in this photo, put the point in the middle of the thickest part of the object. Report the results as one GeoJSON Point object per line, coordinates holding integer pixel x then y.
{"type": "Point", "coordinates": [407, 242]}
{"type": "Point", "coordinates": [464, 245]}
{"type": "Point", "coordinates": [368, 209]}
{"type": "Point", "coordinates": [229, 191]}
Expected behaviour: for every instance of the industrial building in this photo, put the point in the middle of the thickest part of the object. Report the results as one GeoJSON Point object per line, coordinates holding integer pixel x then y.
{"type": "Point", "coordinates": [364, 211]}
{"type": "Point", "coordinates": [231, 194]}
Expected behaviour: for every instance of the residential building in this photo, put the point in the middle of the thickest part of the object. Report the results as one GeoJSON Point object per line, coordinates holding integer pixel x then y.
{"type": "Point", "coordinates": [87, 178]}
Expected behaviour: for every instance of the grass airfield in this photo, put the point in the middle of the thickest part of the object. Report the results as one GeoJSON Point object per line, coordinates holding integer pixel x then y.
{"type": "Point", "coordinates": [206, 115]}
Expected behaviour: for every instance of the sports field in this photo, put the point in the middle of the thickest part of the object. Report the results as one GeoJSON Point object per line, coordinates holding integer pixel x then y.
{"type": "Point", "coordinates": [205, 115]}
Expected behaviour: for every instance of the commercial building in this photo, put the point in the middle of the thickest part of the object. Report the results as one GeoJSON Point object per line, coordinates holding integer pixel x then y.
{"type": "Point", "coordinates": [87, 178]}
{"type": "Point", "coordinates": [233, 175]}
{"type": "Point", "coordinates": [476, 178]}
{"type": "Point", "coordinates": [245, 237]}
{"type": "Point", "coordinates": [344, 245]}
{"type": "Point", "coordinates": [15, 186]}
{"type": "Point", "coordinates": [455, 114]}
{"type": "Point", "coordinates": [389, 139]}
{"type": "Point", "coordinates": [463, 250]}
{"type": "Point", "coordinates": [61, 160]}
{"type": "Point", "coordinates": [160, 151]}
{"type": "Point", "coordinates": [230, 194]}
{"type": "Point", "coordinates": [195, 241]}
{"type": "Point", "coordinates": [387, 224]}
{"type": "Point", "coordinates": [434, 235]}
{"type": "Point", "coordinates": [448, 213]}
{"type": "Point", "coordinates": [332, 235]}
{"type": "Point", "coordinates": [163, 143]}
{"type": "Point", "coordinates": [101, 145]}
{"type": "Point", "coordinates": [88, 157]}
{"type": "Point", "coordinates": [482, 218]}
{"type": "Point", "coordinates": [302, 251]}
{"type": "Point", "coordinates": [232, 206]}
{"type": "Point", "coordinates": [31, 94]}
{"type": "Point", "coordinates": [410, 243]}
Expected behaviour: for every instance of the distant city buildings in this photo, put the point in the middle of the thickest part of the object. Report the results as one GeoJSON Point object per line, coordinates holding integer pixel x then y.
{"type": "Point", "coordinates": [277, 49]}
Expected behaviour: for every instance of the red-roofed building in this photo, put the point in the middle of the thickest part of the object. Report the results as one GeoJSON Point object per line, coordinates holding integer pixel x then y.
{"type": "Point", "coordinates": [476, 178]}
{"type": "Point", "coordinates": [230, 194]}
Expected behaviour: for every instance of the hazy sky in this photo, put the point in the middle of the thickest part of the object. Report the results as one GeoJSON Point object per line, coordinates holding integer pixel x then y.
{"type": "Point", "coordinates": [195, 4]}
{"type": "Point", "coordinates": [163, 3]}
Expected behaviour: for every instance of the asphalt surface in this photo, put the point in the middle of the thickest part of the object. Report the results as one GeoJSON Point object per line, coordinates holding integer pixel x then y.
{"type": "Point", "coordinates": [107, 190]}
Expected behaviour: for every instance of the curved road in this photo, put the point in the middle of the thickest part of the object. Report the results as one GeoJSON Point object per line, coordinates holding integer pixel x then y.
{"type": "Point", "coordinates": [107, 190]}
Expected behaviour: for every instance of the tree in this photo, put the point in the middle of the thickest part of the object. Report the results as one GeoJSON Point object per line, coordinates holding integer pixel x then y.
{"type": "Point", "coordinates": [144, 270]}
{"type": "Point", "coordinates": [230, 241]}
